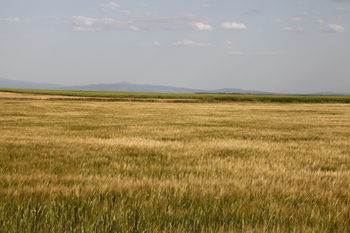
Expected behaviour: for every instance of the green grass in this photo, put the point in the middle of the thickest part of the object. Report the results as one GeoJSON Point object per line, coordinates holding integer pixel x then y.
{"type": "Point", "coordinates": [202, 97]}
{"type": "Point", "coordinates": [93, 166]}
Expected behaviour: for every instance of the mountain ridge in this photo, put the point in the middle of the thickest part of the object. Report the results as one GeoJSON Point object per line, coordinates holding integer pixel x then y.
{"type": "Point", "coordinates": [129, 87]}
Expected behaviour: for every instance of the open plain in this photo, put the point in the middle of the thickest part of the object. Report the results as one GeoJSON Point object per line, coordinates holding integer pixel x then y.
{"type": "Point", "coordinates": [130, 166]}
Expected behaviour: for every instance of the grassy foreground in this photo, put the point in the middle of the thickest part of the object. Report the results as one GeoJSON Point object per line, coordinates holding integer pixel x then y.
{"type": "Point", "coordinates": [74, 166]}
{"type": "Point", "coordinates": [137, 96]}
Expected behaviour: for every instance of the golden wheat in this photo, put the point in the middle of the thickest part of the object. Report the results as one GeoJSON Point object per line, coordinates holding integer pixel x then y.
{"type": "Point", "coordinates": [85, 166]}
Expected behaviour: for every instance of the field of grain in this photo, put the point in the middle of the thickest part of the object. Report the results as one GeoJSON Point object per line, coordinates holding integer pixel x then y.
{"type": "Point", "coordinates": [95, 166]}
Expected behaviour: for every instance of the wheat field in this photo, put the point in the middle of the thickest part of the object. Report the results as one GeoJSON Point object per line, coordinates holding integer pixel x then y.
{"type": "Point", "coordinates": [92, 166]}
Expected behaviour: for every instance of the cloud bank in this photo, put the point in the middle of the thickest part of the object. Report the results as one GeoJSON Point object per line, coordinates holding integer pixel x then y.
{"type": "Point", "coordinates": [201, 27]}
{"type": "Point", "coordinates": [138, 22]}
{"type": "Point", "coordinates": [110, 6]}
{"type": "Point", "coordinates": [233, 25]}
{"type": "Point", "coordinates": [16, 20]}
{"type": "Point", "coordinates": [335, 28]}
{"type": "Point", "coordinates": [192, 43]}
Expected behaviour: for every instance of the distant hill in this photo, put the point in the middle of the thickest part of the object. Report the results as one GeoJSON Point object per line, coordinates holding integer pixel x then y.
{"type": "Point", "coordinates": [128, 87]}
{"type": "Point", "coordinates": [7, 83]}
{"type": "Point", "coordinates": [119, 86]}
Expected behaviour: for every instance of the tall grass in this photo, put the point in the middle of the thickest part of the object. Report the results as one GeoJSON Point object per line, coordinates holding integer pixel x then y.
{"type": "Point", "coordinates": [72, 166]}
{"type": "Point", "coordinates": [136, 96]}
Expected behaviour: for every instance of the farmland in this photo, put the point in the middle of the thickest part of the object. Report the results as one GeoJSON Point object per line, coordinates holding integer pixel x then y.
{"type": "Point", "coordinates": [69, 165]}
{"type": "Point", "coordinates": [144, 96]}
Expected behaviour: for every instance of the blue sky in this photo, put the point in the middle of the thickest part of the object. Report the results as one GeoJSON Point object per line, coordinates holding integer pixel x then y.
{"type": "Point", "coordinates": [271, 45]}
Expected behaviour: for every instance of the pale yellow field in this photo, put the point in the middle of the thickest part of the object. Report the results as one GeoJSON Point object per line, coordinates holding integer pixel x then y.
{"type": "Point", "coordinates": [173, 167]}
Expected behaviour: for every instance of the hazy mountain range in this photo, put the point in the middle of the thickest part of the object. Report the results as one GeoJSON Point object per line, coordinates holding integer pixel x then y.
{"type": "Point", "coordinates": [128, 87]}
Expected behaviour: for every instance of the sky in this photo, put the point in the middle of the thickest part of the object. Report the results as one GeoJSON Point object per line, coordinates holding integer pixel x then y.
{"type": "Point", "coordinates": [284, 46]}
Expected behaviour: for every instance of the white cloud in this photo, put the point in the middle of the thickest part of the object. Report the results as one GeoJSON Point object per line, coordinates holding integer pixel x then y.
{"type": "Point", "coordinates": [334, 28]}
{"type": "Point", "coordinates": [139, 22]}
{"type": "Point", "coordinates": [227, 43]}
{"type": "Point", "coordinates": [237, 53]}
{"type": "Point", "coordinates": [110, 6]}
{"type": "Point", "coordinates": [91, 23]}
{"type": "Point", "coordinates": [299, 29]}
{"type": "Point", "coordinates": [83, 29]}
{"type": "Point", "coordinates": [134, 28]}
{"type": "Point", "coordinates": [304, 13]}
{"type": "Point", "coordinates": [205, 6]}
{"type": "Point", "coordinates": [173, 22]}
{"type": "Point", "coordinates": [342, 9]}
{"type": "Point", "coordinates": [297, 18]}
{"type": "Point", "coordinates": [83, 21]}
{"type": "Point", "coordinates": [151, 17]}
{"type": "Point", "coordinates": [192, 43]}
{"type": "Point", "coordinates": [16, 20]}
{"type": "Point", "coordinates": [233, 25]}
{"type": "Point", "coordinates": [318, 21]}
{"type": "Point", "coordinates": [156, 44]}
{"type": "Point", "coordinates": [201, 27]}
{"type": "Point", "coordinates": [287, 29]}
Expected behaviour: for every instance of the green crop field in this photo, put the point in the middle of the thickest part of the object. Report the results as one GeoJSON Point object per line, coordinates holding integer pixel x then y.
{"type": "Point", "coordinates": [137, 96]}
{"type": "Point", "coordinates": [68, 165]}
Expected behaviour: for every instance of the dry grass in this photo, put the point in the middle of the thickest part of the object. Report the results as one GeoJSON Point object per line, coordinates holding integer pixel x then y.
{"type": "Point", "coordinates": [72, 166]}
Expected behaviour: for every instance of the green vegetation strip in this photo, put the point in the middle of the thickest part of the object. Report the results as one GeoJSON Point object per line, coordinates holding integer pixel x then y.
{"type": "Point", "coordinates": [200, 97]}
